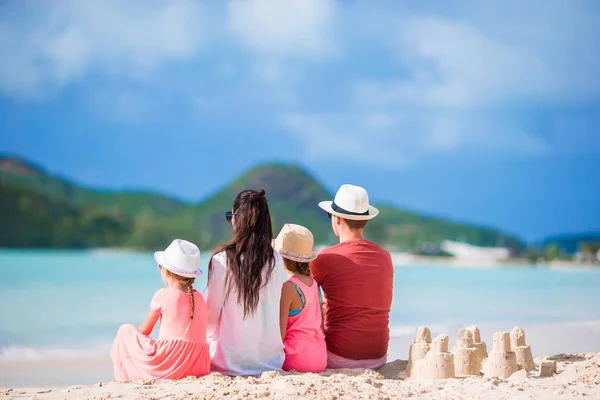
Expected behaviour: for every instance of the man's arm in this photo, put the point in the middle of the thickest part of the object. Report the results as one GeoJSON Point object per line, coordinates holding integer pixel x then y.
{"type": "Point", "coordinates": [316, 270]}
{"type": "Point", "coordinates": [318, 274]}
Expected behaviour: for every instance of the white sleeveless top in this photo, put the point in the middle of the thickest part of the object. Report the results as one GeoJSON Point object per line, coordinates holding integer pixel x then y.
{"type": "Point", "coordinates": [244, 347]}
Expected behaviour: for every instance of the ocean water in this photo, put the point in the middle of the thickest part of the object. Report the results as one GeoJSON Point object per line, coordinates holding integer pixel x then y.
{"type": "Point", "coordinates": [61, 303]}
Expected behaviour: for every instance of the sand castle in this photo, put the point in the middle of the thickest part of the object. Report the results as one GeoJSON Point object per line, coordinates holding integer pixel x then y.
{"type": "Point", "coordinates": [418, 350]}
{"type": "Point", "coordinates": [547, 368]}
{"type": "Point", "coordinates": [438, 363]}
{"type": "Point", "coordinates": [501, 362]}
{"type": "Point", "coordinates": [429, 359]}
{"type": "Point", "coordinates": [466, 355]}
{"type": "Point", "coordinates": [522, 351]}
{"type": "Point", "coordinates": [481, 346]}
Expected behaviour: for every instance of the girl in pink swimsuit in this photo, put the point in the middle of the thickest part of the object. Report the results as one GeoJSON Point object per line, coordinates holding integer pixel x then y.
{"type": "Point", "coordinates": [301, 318]}
{"type": "Point", "coordinates": [181, 349]}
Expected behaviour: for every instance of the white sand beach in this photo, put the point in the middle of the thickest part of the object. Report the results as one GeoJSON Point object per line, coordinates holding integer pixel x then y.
{"type": "Point", "coordinates": [578, 375]}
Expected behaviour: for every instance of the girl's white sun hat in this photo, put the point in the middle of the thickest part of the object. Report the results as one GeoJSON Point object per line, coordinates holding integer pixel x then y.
{"type": "Point", "coordinates": [181, 258]}
{"type": "Point", "coordinates": [350, 202]}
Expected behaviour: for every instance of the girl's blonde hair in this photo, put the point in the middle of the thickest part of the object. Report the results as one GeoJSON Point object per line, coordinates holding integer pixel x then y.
{"type": "Point", "coordinates": [186, 285]}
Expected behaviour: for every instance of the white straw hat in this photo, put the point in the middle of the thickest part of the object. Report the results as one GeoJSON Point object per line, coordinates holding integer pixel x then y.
{"type": "Point", "coordinates": [181, 258]}
{"type": "Point", "coordinates": [295, 243]}
{"type": "Point", "coordinates": [350, 202]}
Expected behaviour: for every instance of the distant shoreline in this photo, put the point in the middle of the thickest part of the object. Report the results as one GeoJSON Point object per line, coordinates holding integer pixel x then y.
{"type": "Point", "coordinates": [410, 259]}
{"type": "Point", "coordinates": [398, 258]}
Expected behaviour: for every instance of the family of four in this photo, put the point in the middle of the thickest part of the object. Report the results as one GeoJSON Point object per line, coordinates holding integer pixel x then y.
{"type": "Point", "coordinates": [253, 320]}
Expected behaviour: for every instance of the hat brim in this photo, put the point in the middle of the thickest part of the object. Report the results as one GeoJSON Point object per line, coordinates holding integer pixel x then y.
{"type": "Point", "coordinates": [161, 260]}
{"type": "Point", "coordinates": [296, 257]}
{"type": "Point", "coordinates": [326, 205]}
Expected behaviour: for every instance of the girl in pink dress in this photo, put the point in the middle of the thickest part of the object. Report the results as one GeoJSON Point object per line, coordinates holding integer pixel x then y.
{"type": "Point", "coordinates": [301, 318]}
{"type": "Point", "coordinates": [181, 349]}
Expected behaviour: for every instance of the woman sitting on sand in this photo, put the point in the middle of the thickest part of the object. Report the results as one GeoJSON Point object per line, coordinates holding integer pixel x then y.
{"type": "Point", "coordinates": [245, 277]}
{"type": "Point", "coordinates": [181, 349]}
{"type": "Point", "coordinates": [301, 317]}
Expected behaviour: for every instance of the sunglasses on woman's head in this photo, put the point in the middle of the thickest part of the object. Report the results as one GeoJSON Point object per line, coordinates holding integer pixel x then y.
{"type": "Point", "coordinates": [228, 216]}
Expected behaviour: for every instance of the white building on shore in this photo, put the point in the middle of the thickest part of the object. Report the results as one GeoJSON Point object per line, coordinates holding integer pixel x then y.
{"type": "Point", "coordinates": [469, 252]}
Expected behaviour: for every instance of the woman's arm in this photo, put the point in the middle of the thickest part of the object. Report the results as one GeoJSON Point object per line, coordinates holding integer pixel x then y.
{"type": "Point", "coordinates": [215, 294]}
{"type": "Point", "coordinates": [287, 295]}
{"type": "Point", "coordinates": [147, 326]}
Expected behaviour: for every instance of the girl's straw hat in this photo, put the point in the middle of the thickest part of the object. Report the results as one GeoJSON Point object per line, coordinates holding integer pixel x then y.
{"type": "Point", "coordinates": [181, 258]}
{"type": "Point", "coordinates": [295, 243]}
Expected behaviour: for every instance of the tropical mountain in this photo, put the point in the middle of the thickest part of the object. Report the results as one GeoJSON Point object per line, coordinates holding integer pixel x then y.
{"type": "Point", "coordinates": [41, 210]}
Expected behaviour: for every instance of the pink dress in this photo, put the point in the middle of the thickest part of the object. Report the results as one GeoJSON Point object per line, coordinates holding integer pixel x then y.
{"type": "Point", "coordinates": [176, 354]}
{"type": "Point", "coordinates": [305, 348]}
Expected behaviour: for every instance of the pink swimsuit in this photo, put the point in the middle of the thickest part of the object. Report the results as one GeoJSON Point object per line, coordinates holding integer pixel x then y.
{"type": "Point", "coordinates": [305, 348]}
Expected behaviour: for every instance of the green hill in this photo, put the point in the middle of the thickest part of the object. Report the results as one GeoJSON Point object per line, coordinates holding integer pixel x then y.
{"type": "Point", "coordinates": [26, 174]}
{"type": "Point", "coordinates": [147, 220]}
{"type": "Point", "coordinates": [31, 218]}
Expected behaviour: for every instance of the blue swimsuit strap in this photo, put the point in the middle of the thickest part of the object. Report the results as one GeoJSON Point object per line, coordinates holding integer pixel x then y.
{"type": "Point", "coordinates": [300, 294]}
{"type": "Point", "coordinates": [296, 311]}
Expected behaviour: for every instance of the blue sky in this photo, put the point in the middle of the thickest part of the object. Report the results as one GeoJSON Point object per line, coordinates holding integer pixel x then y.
{"type": "Point", "coordinates": [481, 111]}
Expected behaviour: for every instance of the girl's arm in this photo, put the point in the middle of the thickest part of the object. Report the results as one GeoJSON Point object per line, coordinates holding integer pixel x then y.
{"type": "Point", "coordinates": [287, 295]}
{"type": "Point", "coordinates": [323, 310]}
{"type": "Point", "coordinates": [147, 326]}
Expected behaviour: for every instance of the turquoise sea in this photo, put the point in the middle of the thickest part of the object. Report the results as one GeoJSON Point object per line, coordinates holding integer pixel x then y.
{"type": "Point", "coordinates": [72, 302]}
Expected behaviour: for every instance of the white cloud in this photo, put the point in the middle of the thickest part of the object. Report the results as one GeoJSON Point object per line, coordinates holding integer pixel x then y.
{"type": "Point", "coordinates": [270, 72]}
{"type": "Point", "coordinates": [407, 82]}
{"type": "Point", "coordinates": [478, 134]}
{"type": "Point", "coordinates": [466, 67]}
{"type": "Point", "coordinates": [51, 43]}
{"type": "Point", "coordinates": [282, 35]}
{"type": "Point", "coordinates": [291, 28]}
{"type": "Point", "coordinates": [391, 141]}
{"type": "Point", "coordinates": [465, 78]}
{"type": "Point", "coordinates": [475, 61]}
{"type": "Point", "coordinates": [345, 138]}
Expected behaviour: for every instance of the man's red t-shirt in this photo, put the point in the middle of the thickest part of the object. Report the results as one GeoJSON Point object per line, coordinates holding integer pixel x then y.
{"type": "Point", "coordinates": [357, 279]}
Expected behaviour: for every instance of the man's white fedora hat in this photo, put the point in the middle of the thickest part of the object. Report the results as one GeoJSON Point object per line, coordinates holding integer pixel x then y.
{"type": "Point", "coordinates": [350, 202]}
{"type": "Point", "coordinates": [181, 258]}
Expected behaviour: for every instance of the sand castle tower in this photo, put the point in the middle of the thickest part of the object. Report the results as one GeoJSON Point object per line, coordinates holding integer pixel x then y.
{"type": "Point", "coordinates": [418, 349]}
{"type": "Point", "coordinates": [438, 363]}
{"type": "Point", "coordinates": [466, 355]}
{"type": "Point", "coordinates": [501, 362]}
{"type": "Point", "coordinates": [522, 351]}
{"type": "Point", "coordinates": [481, 346]}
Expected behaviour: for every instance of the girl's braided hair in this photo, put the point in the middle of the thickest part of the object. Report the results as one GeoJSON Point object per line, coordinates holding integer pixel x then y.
{"type": "Point", "coordinates": [186, 285]}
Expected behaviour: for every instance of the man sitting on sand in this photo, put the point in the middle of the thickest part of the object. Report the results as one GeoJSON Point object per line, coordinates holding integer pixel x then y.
{"type": "Point", "coordinates": [357, 278]}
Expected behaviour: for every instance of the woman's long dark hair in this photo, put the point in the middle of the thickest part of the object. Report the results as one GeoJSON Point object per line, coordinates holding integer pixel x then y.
{"type": "Point", "coordinates": [249, 252]}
